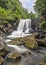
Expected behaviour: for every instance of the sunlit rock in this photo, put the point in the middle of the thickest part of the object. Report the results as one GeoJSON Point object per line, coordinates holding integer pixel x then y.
{"type": "Point", "coordinates": [14, 56]}
{"type": "Point", "coordinates": [30, 43]}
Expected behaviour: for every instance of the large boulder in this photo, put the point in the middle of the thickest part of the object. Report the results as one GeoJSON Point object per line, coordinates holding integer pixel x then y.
{"type": "Point", "coordinates": [13, 56]}
{"type": "Point", "coordinates": [30, 42]}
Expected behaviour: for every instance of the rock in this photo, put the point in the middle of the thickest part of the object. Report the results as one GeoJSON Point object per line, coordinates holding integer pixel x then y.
{"type": "Point", "coordinates": [13, 56]}
{"type": "Point", "coordinates": [40, 38]}
{"type": "Point", "coordinates": [17, 41]}
{"type": "Point", "coordinates": [42, 63]}
{"type": "Point", "coordinates": [3, 47]}
{"type": "Point", "coordinates": [1, 61]}
{"type": "Point", "coordinates": [2, 53]}
{"type": "Point", "coordinates": [26, 54]}
{"type": "Point", "coordinates": [20, 43]}
{"type": "Point", "coordinates": [30, 43]}
{"type": "Point", "coordinates": [41, 41]}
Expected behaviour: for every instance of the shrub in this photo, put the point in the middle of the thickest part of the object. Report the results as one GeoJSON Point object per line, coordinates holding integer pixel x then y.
{"type": "Point", "coordinates": [43, 26]}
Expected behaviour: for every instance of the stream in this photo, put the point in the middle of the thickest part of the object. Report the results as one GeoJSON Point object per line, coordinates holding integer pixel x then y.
{"type": "Point", "coordinates": [34, 59]}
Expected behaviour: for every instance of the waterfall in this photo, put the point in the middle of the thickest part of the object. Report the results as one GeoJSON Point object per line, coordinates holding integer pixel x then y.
{"type": "Point", "coordinates": [26, 23]}
{"type": "Point", "coordinates": [23, 26]}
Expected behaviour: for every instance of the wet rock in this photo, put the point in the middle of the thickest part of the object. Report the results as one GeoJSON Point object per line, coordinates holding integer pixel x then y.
{"type": "Point", "coordinates": [20, 43]}
{"type": "Point", "coordinates": [42, 63]}
{"type": "Point", "coordinates": [17, 41]}
{"type": "Point", "coordinates": [3, 47]}
{"type": "Point", "coordinates": [14, 56]}
{"type": "Point", "coordinates": [41, 41]}
{"type": "Point", "coordinates": [1, 61]}
{"type": "Point", "coordinates": [26, 54]}
{"type": "Point", "coordinates": [30, 43]}
{"type": "Point", "coordinates": [40, 38]}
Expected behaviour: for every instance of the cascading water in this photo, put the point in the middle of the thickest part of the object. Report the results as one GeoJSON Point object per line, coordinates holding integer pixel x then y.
{"type": "Point", "coordinates": [23, 28]}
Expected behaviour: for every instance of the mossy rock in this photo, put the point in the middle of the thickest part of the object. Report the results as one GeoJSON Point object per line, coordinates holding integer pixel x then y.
{"type": "Point", "coordinates": [17, 41]}
{"type": "Point", "coordinates": [1, 61]}
{"type": "Point", "coordinates": [13, 56]}
{"type": "Point", "coordinates": [30, 43]}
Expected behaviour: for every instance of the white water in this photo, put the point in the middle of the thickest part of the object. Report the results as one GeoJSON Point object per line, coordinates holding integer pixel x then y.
{"type": "Point", "coordinates": [19, 49]}
{"type": "Point", "coordinates": [22, 30]}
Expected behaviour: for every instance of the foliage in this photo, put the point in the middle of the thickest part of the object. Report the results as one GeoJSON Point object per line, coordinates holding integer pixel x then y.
{"type": "Point", "coordinates": [40, 5]}
{"type": "Point", "coordinates": [12, 10]}
{"type": "Point", "coordinates": [43, 25]}
{"type": "Point", "coordinates": [32, 15]}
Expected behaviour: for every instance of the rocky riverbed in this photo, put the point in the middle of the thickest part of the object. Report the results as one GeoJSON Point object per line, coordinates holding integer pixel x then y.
{"type": "Point", "coordinates": [24, 51]}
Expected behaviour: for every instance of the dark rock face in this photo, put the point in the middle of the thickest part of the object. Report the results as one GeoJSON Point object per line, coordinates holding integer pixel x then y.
{"type": "Point", "coordinates": [41, 38]}
{"type": "Point", "coordinates": [35, 24]}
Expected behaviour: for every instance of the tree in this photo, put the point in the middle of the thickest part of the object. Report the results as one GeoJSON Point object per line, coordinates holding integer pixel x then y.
{"type": "Point", "coordinates": [32, 15]}
{"type": "Point", "coordinates": [12, 10]}
{"type": "Point", "coordinates": [40, 5]}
